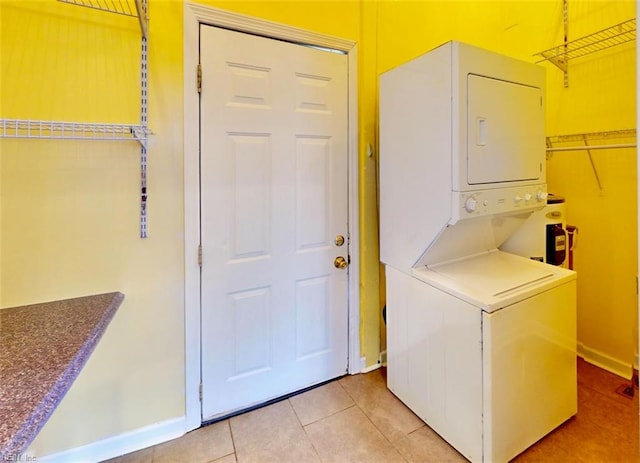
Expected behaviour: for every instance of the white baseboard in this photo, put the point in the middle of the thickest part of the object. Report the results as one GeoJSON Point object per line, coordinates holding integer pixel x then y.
{"type": "Point", "coordinates": [366, 369]}
{"type": "Point", "coordinates": [605, 361]}
{"type": "Point", "coordinates": [121, 444]}
{"type": "Point", "coordinates": [373, 367]}
{"type": "Point", "coordinates": [383, 358]}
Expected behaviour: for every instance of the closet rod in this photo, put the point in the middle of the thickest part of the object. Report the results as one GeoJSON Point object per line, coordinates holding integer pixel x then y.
{"type": "Point", "coordinates": [591, 147]}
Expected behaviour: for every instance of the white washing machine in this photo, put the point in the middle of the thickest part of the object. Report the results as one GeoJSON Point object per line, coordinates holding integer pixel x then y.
{"type": "Point", "coordinates": [481, 343]}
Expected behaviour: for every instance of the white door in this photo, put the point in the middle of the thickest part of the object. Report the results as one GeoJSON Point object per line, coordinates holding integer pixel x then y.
{"type": "Point", "coordinates": [273, 200]}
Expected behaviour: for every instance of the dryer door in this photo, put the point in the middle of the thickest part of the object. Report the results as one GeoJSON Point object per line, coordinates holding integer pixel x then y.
{"type": "Point", "coordinates": [505, 128]}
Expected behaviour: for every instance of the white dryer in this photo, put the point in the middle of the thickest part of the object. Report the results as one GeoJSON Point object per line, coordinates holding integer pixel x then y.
{"type": "Point", "coordinates": [481, 343]}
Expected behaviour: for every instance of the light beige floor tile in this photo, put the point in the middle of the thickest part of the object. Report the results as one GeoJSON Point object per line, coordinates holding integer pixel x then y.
{"type": "Point", "coordinates": [587, 443]}
{"type": "Point", "coordinates": [141, 456]}
{"type": "Point", "coordinates": [425, 445]}
{"type": "Point", "coordinates": [545, 451]}
{"type": "Point", "coordinates": [320, 402]}
{"type": "Point", "coordinates": [605, 431]}
{"type": "Point", "coordinates": [388, 414]}
{"type": "Point", "coordinates": [600, 380]}
{"type": "Point", "coordinates": [271, 434]}
{"type": "Point", "coordinates": [349, 436]}
{"type": "Point", "coordinates": [619, 418]}
{"type": "Point", "coordinates": [199, 446]}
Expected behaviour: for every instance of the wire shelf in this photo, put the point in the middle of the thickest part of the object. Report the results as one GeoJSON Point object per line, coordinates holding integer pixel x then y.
{"type": "Point", "coordinates": [604, 137]}
{"type": "Point", "coordinates": [132, 8]}
{"type": "Point", "coordinates": [124, 7]}
{"type": "Point", "coordinates": [606, 38]}
{"type": "Point", "coordinates": [626, 138]}
{"type": "Point", "coordinates": [22, 128]}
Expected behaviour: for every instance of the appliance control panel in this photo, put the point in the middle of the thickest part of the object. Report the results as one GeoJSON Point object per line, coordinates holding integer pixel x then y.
{"type": "Point", "coordinates": [473, 204]}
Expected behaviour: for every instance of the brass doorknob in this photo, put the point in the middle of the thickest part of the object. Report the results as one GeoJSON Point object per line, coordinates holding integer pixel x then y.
{"type": "Point", "coordinates": [340, 262]}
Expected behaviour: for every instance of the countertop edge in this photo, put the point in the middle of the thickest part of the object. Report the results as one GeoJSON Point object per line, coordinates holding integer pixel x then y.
{"type": "Point", "coordinates": [43, 411]}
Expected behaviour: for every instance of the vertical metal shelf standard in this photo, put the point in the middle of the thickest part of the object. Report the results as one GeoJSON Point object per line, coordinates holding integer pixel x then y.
{"type": "Point", "coordinates": [62, 130]}
{"type": "Point", "coordinates": [612, 36]}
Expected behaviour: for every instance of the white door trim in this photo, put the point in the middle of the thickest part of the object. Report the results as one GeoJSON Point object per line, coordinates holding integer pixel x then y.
{"type": "Point", "coordinates": [194, 15]}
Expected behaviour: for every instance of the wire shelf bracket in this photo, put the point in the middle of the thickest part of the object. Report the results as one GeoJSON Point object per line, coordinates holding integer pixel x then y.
{"type": "Point", "coordinates": [604, 39]}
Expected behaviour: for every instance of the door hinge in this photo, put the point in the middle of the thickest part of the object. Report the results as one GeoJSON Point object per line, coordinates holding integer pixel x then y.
{"type": "Point", "coordinates": [199, 77]}
{"type": "Point", "coordinates": [200, 255]}
{"type": "Point", "coordinates": [200, 392]}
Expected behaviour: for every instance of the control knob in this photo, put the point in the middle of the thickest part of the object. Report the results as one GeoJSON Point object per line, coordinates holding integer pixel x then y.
{"type": "Point", "coordinates": [470, 204]}
{"type": "Point", "coordinates": [541, 196]}
{"type": "Point", "coordinates": [527, 197]}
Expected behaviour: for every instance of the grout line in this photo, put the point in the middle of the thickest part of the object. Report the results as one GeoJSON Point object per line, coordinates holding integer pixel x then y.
{"type": "Point", "coordinates": [313, 446]}
{"type": "Point", "coordinates": [304, 430]}
{"type": "Point", "coordinates": [393, 446]}
{"type": "Point", "coordinates": [295, 412]}
{"type": "Point", "coordinates": [330, 415]}
{"type": "Point", "coordinates": [223, 456]}
{"type": "Point", "coordinates": [366, 415]}
{"type": "Point", "coordinates": [233, 441]}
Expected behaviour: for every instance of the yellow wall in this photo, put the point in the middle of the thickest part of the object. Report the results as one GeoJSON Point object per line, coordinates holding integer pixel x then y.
{"type": "Point", "coordinates": [601, 97]}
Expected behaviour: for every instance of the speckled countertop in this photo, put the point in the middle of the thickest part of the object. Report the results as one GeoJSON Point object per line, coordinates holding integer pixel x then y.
{"type": "Point", "coordinates": [43, 347]}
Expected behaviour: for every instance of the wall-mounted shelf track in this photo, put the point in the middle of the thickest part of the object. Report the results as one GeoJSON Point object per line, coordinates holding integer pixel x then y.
{"type": "Point", "coordinates": [38, 129]}
{"type": "Point", "coordinates": [615, 139]}
{"type": "Point", "coordinates": [604, 39]}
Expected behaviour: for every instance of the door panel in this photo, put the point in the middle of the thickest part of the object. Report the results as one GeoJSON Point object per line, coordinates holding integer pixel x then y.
{"type": "Point", "coordinates": [273, 197]}
{"type": "Point", "coordinates": [251, 165]}
{"type": "Point", "coordinates": [313, 192]}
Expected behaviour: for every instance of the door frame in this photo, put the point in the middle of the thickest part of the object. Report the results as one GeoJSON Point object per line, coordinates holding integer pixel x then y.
{"type": "Point", "coordinates": [194, 15]}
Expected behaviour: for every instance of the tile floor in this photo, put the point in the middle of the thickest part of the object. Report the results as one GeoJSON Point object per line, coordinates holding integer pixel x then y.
{"type": "Point", "coordinates": [356, 419]}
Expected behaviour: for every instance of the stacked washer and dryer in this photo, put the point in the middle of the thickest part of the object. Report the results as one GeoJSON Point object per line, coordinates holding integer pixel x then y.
{"type": "Point", "coordinates": [481, 342]}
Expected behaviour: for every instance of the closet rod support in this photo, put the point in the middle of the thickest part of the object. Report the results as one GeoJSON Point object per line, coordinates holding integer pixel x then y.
{"type": "Point", "coordinates": [593, 164]}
